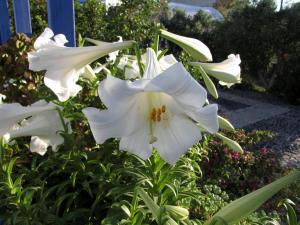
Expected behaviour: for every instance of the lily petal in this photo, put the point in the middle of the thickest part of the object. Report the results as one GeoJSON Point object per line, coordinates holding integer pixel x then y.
{"type": "Point", "coordinates": [13, 113]}
{"type": "Point", "coordinates": [228, 71]}
{"type": "Point", "coordinates": [120, 122]}
{"type": "Point", "coordinates": [40, 144]}
{"type": "Point", "coordinates": [176, 138]}
{"type": "Point", "coordinates": [178, 83]}
{"type": "Point", "coordinates": [2, 97]}
{"type": "Point", "coordinates": [111, 56]}
{"type": "Point", "coordinates": [44, 128]}
{"type": "Point", "coordinates": [44, 39]}
{"type": "Point", "coordinates": [88, 73]}
{"type": "Point", "coordinates": [207, 117]}
{"type": "Point", "coordinates": [166, 61]}
{"type": "Point", "coordinates": [137, 143]}
{"type": "Point", "coordinates": [152, 65]}
{"type": "Point", "coordinates": [60, 39]}
{"type": "Point", "coordinates": [114, 91]}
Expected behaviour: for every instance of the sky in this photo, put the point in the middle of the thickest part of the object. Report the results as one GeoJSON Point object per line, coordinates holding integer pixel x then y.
{"type": "Point", "coordinates": [286, 2]}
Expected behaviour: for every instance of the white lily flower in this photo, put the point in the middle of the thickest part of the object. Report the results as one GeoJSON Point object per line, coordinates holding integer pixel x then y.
{"type": "Point", "coordinates": [45, 40]}
{"type": "Point", "coordinates": [65, 64]}
{"type": "Point", "coordinates": [110, 3]}
{"type": "Point", "coordinates": [228, 71]}
{"type": "Point", "coordinates": [43, 129]}
{"type": "Point", "coordinates": [14, 113]}
{"type": "Point", "coordinates": [111, 56]}
{"type": "Point", "coordinates": [131, 67]}
{"type": "Point", "coordinates": [197, 49]}
{"type": "Point", "coordinates": [88, 73]}
{"type": "Point", "coordinates": [161, 110]}
{"type": "Point", "coordinates": [129, 64]}
{"type": "Point", "coordinates": [100, 68]}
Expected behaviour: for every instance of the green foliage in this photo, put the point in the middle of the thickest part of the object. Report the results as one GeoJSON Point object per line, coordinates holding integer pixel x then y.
{"type": "Point", "coordinates": [213, 200]}
{"type": "Point", "coordinates": [240, 173]}
{"type": "Point", "coordinates": [90, 19]}
{"type": "Point", "coordinates": [38, 12]}
{"type": "Point", "coordinates": [291, 216]}
{"type": "Point", "coordinates": [85, 183]}
{"type": "Point", "coordinates": [228, 6]}
{"type": "Point", "coordinates": [197, 27]}
{"type": "Point", "coordinates": [62, 187]}
{"type": "Point", "coordinates": [266, 40]}
{"type": "Point", "coordinates": [133, 19]}
{"type": "Point", "coordinates": [268, 44]}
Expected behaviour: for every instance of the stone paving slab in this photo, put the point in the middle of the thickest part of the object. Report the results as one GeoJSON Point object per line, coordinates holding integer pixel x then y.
{"type": "Point", "coordinates": [252, 111]}
{"type": "Point", "coordinates": [259, 111]}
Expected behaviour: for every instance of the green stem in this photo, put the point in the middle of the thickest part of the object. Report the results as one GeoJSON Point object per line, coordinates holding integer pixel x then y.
{"type": "Point", "coordinates": [156, 43]}
{"type": "Point", "coordinates": [62, 120]}
{"type": "Point", "coordinates": [1, 150]}
{"type": "Point", "coordinates": [139, 58]}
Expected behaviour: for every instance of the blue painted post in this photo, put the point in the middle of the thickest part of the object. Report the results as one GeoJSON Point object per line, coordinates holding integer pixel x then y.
{"type": "Point", "coordinates": [61, 19]}
{"type": "Point", "coordinates": [4, 22]}
{"type": "Point", "coordinates": [22, 17]}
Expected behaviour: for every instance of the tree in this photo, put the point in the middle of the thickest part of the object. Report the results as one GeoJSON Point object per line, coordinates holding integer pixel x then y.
{"type": "Point", "coordinates": [226, 6]}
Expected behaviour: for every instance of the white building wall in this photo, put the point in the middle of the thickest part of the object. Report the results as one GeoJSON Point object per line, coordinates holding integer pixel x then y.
{"type": "Point", "coordinates": [202, 3]}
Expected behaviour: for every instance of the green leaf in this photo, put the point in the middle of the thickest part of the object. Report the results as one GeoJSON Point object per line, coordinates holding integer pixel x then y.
{"type": "Point", "coordinates": [138, 219]}
{"type": "Point", "coordinates": [242, 207]}
{"type": "Point", "coordinates": [178, 212]}
{"type": "Point", "coordinates": [225, 124]}
{"type": "Point", "coordinates": [208, 83]}
{"type": "Point", "coordinates": [10, 166]}
{"type": "Point", "coordinates": [231, 143]}
{"type": "Point", "coordinates": [291, 214]}
{"type": "Point", "coordinates": [126, 210]}
{"type": "Point", "coordinates": [152, 206]}
{"type": "Point", "coordinates": [162, 53]}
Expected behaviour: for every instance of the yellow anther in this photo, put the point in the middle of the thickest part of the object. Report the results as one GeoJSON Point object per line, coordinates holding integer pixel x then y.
{"type": "Point", "coordinates": [158, 118]}
{"type": "Point", "coordinates": [158, 111]}
{"type": "Point", "coordinates": [153, 115]}
{"type": "Point", "coordinates": [157, 114]}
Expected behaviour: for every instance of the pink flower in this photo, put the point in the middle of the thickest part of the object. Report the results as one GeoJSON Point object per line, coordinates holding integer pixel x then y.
{"type": "Point", "coordinates": [235, 155]}
{"type": "Point", "coordinates": [264, 151]}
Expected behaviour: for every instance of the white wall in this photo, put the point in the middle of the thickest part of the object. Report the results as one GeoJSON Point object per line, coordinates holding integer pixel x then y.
{"type": "Point", "coordinates": [208, 3]}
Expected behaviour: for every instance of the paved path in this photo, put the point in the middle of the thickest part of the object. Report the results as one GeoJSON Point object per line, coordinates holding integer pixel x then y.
{"type": "Point", "coordinates": [250, 110]}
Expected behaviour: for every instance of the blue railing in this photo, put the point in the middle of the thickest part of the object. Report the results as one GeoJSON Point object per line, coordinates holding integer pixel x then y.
{"type": "Point", "coordinates": [61, 19]}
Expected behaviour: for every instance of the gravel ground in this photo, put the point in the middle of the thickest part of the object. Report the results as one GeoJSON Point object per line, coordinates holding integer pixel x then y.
{"type": "Point", "coordinates": [286, 128]}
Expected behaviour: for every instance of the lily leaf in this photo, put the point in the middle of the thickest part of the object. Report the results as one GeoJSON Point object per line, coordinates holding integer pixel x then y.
{"type": "Point", "coordinates": [231, 143]}
{"type": "Point", "coordinates": [208, 83]}
{"type": "Point", "coordinates": [225, 124]}
{"type": "Point", "coordinates": [242, 207]}
{"type": "Point", "coordinates": [152, 206]}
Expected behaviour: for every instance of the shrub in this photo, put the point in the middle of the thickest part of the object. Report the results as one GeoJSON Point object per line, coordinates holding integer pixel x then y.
{"type": "Point", "coordinates": [268, 44]}
{"type": "Point", "coordinates": [133, 20]}
{"type": "Point", "coordinates": [17, 82]}
{"type": "Point", "coordinates": [240, 173]}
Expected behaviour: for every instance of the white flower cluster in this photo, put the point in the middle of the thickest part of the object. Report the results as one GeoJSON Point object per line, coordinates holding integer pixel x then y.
{"type": "Point", "coordinates": [164, 108]}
